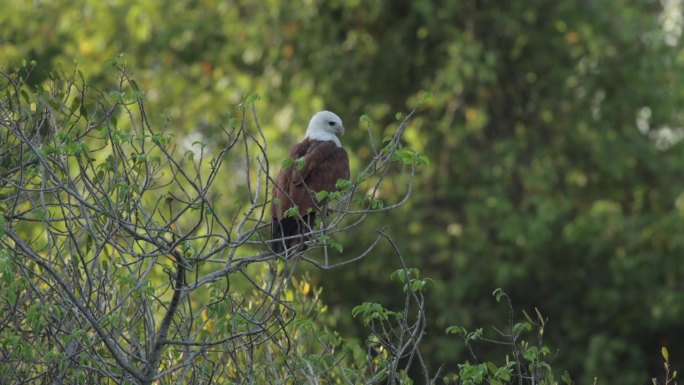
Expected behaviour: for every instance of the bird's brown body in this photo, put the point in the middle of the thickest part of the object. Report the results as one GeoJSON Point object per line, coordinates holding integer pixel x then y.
{"type": "Point", "coordinates": [324, 163]}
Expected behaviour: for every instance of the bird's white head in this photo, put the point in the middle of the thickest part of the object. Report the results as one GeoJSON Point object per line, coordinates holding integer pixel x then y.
{"type": "Point", "coordinates": [325, 125]}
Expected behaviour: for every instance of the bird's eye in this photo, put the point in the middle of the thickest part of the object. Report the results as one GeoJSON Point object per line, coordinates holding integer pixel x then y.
{"type": "Point", "coordinates": [331, 123]}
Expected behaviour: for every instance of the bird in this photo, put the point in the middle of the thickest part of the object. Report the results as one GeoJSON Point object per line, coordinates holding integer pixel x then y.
{"type": "Point", "coordinates": [317, 163]}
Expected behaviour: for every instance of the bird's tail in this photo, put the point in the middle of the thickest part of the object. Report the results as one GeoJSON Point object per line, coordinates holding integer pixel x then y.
{"type": "Point", "coordinates": [283, 231]}
{"type": "Point", "coordinates": [277, 236]}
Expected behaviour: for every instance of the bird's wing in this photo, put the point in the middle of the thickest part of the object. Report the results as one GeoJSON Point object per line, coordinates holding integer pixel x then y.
{"type": "Point", "coordinates": [325, 163]}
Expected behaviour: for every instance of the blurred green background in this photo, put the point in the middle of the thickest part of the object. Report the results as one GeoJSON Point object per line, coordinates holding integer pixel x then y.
{"type": "Point", "coordinates": [553, 130]}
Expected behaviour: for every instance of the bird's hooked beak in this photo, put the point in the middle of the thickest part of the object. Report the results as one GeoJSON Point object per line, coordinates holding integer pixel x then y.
{"type": "Point", "coordinates": [341, 130]}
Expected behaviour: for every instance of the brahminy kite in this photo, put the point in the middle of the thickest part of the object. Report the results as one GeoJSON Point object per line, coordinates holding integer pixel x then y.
{"type": "Point", "coordinates": [317, 163]}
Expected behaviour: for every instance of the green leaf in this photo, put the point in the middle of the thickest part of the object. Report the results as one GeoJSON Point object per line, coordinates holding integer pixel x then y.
{"type": "Point", "coordinates": [409, 157]}
{"type": "Point", "coordinates": [321, 195]}
{"type": "Point", "coordinates": [343, 184]}
{"type": "Point", "coordinates": [456, 330]}
{"type": "Point", "coordinates": [371, 311]}
{"type": "Point", "coordinates": [566, 378]}
{"type": "Point", "coordinates": [400, 274]}
{"type": "Point", "coordinates": [521, 327]}
{"type": "Point", "coordinates": [418, 285]}
{"type": "Point", "coordinates": [665, 353]}
{"type": "Point", "coordinates": [335, 195]}
{"type": "Point", "coordinates": [252, 98]}
{"type": "Point", "coordinates": [300, 163]}
{"type": "Point", "coordinates": [292, 212]}
{"type": "Point", "coordinates": [531, 354]}
{"type": "Point", "coordinates": [424, 97]}
{"type": "Point", "coordinates": [475, 335]}
{"type": "Point", "coordinates": [116, 60]}
{"type": "Point", "coordinates": [498, 294]}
